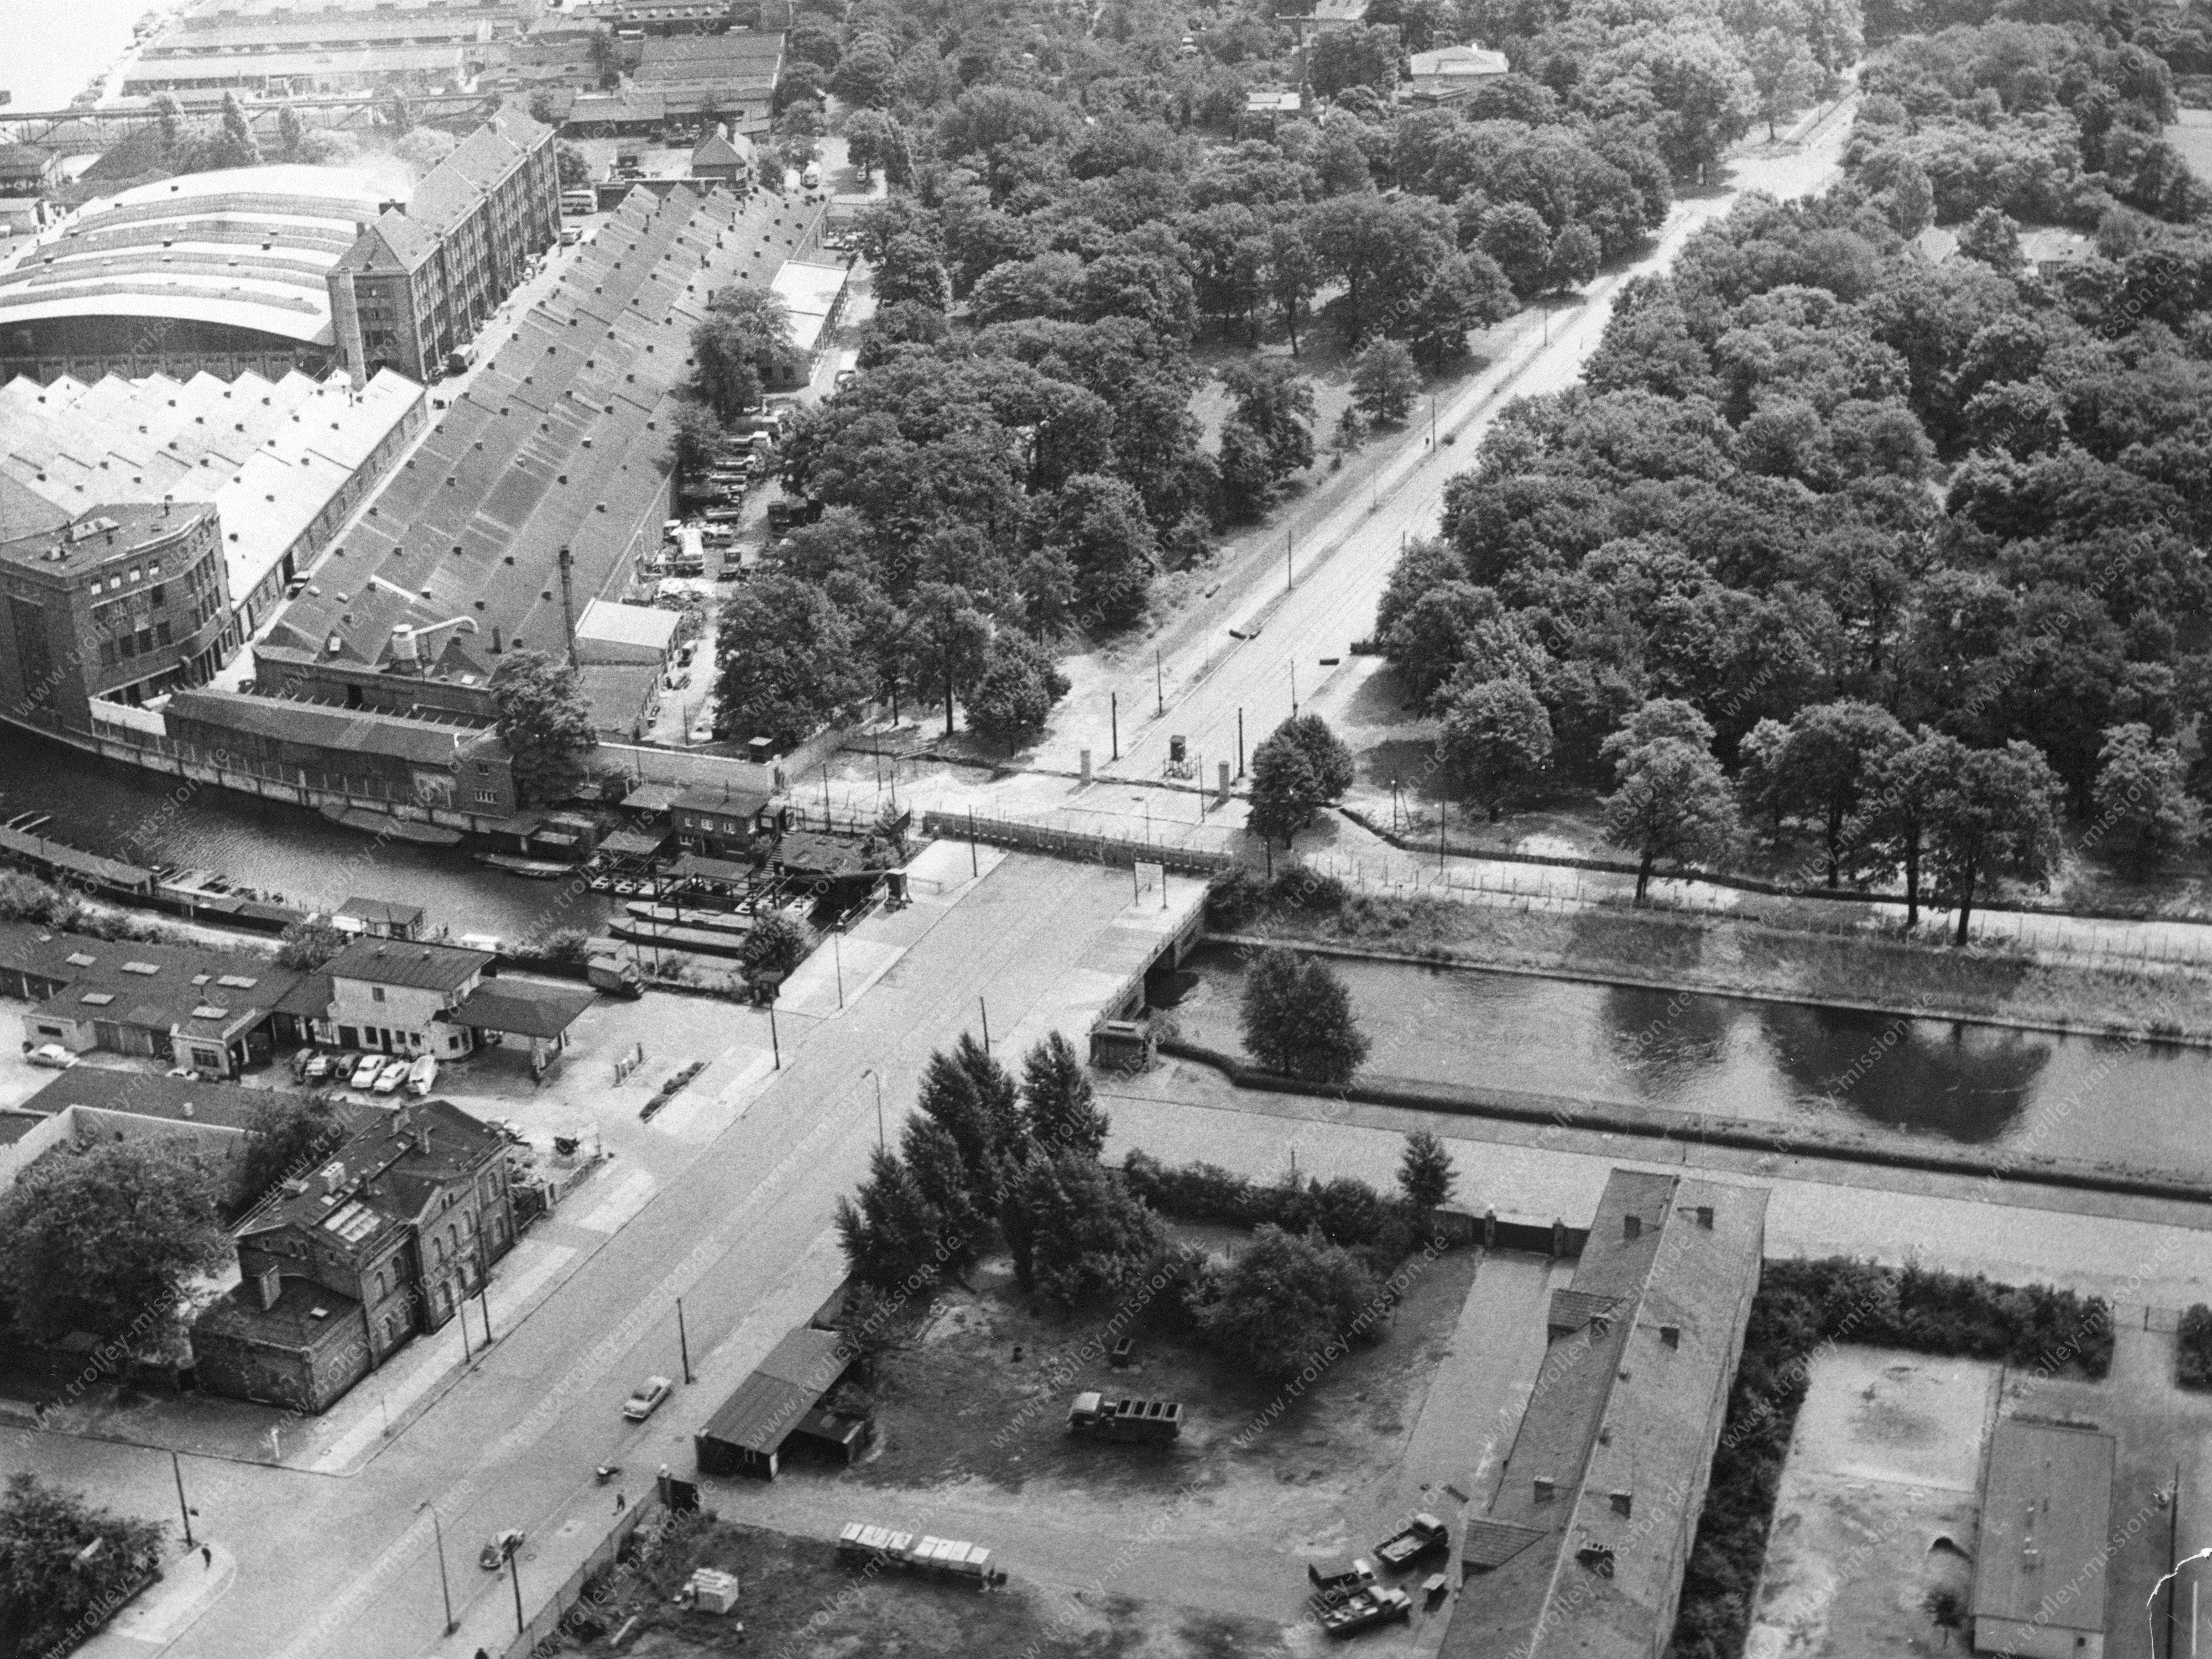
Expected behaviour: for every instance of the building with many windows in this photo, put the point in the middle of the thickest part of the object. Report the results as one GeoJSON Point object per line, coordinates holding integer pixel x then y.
{"type": "Point", "coordinates": [122, 603]}
{"type": "Point", "coordinates": [416, 284]}
{"type": "Point", "coordinates": [340, 1267]}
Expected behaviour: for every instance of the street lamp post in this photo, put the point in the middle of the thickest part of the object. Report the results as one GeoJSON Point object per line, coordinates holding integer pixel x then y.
{"type": "Point", "coordinates": [683, 1342]}
{"type": "Point", "coordinates": [177, 1470]}
{"type": "Point", "coordinates": [445, 1585]}
{"type": "Point", "coordinates": [514, 1572]}
{"type": "Point", "coordinates": [837, 954]}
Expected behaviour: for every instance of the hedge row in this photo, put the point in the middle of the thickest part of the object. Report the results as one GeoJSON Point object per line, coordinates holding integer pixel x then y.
{"type": "Point", "coordinates": [1345, 1211]}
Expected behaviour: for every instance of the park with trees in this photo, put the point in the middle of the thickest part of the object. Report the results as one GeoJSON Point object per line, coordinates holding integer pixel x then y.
{"type": "Point", "coordinates": [1851, 567]}
{"type": "Point", "coordinates": [1100, 285]}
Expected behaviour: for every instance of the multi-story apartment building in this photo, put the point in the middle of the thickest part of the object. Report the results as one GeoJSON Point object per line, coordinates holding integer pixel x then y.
{"type": "Point", "coordinates": [417, 285]}
{"type": "Point", "coordinates": [124, 603]}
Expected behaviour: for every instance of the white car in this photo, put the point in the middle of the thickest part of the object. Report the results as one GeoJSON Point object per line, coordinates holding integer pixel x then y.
{"type": "Point", "coordinates": [647, 1400]}
{"type": "Point", "coordinates": [51, 1054]}
{"type": "Point", "coordinates": [366, 1071]}
{"type": "Point", "coordinates": [423, 1075]}
{"type": "Point", "coordinates": [393, 1075]}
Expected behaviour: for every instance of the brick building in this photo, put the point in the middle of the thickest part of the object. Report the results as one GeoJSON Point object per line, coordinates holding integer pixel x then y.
{"type": "Point", "coordinates": [378, 760]}
{"type": "Point", "coordinates": [340, 1269]}
{"type": "Point", "coordinates": [123, 604]}
{"type": "Point", "coordinates": [417, 285]}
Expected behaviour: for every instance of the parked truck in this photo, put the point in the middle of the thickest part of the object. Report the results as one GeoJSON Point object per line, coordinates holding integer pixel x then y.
{"type": "Point", "coordinates": [1362, 1610]}
{"type": "Point", "coordinates": [617, 974]}
{"type": "Point", "coordinates": [1093, 1413]}
{"type": "Point", "coordinates": [1420, 1535]}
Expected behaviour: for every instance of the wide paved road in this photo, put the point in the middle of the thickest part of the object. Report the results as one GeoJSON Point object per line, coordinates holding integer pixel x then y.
{"type": "Point", "coordinates": [344, 1568]}
{"type": "Point", "coordinates": [1341, 567]}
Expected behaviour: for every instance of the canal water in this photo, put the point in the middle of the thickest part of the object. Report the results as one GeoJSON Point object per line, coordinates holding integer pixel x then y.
{"type": "Point", "coordinates": [2069, 1098]}
{"type": "Point", "coordinates": [106, 807]}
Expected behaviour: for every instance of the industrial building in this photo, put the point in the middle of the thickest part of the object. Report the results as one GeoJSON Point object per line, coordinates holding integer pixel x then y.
{"type": "Point", "coordinates": [1582, 1548]}
{"type": "Point", "coordinates": [283, 462]}
{"type": "Point", "coordinates": [282, 51]}
{"type": "Point", "coordinates": [2039, 1583]}
{"type": "Point", "coordinates": [191, 1004]}
{"type": "Point", "coordinates": [703, 78]}
{"type": "Point", "coordinates": [224, 272]}
{"type": "Point", "coordinates": [416, 284]}
{"type": "Point", "coordinates": [544, 484]}
{"type": "Point", "coordinates": [125, 602]}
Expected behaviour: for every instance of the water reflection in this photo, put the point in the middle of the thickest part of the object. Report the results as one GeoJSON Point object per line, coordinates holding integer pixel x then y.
{"type": "Point", "coordinates": [1935, 1076]}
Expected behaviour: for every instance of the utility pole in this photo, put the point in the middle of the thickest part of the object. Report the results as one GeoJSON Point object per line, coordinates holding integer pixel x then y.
{"type": "Point", "coordinates": [1240, 743]}
{"type": "Point", "coordinates": [1159, 686]}
{"type": "Point", "coordinates": [985, 1008]}
{"type": "Point", "coordinates": [837, 951]}
{"type": "Point", "coordinates": [974, 864]}
{"type": "Point", "coordinates": [774, 1042]}
{"type": "Point", "coordinates": [177, 1470]}
{"type": "Point", "coordinates": [1290, 575]}
{"type": "Point", "coordinates": [514, 1571]}
{"type": "Point", "coordinates": [683, 1342]}
{"type": "Point", "coordinates": [1114, 714]}
{"type": "Point", "coordinates": [445, 1585]}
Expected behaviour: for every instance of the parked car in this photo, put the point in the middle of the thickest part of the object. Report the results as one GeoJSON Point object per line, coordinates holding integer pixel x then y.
{"type": "Point", "coordinates": [366, 1071]}
{"type": "Point", "coordinates": [647, 1400]}
{"type": "Point", "coordinates": [318, 1066]}
{"type": "Point", "coordinates": [422, 1074]}
{"type": "Point", "coordinates": [51, 1054]}
{"type": "Point", "coordinates": [502, 1546]}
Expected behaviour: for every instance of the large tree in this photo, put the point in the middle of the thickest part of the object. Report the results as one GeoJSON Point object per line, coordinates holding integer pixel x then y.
{"type": "Point", "coordinates": [1286, 1300]}
{"type": "Point", "coordinates": [1426, 1175]}
{"type": "Point", "coordinates": [287, 1136]}
{"type": "Point", "coordinates": [544, 724]}
{"type": "Point", "coordinates": [1082, 1233]}
{"type": "Point", "coordinates": [2143, 813]}
{"type": "Point", "coordinates": [1998, 816]}
{"type": "Point", "coordinates": [788, 662]}
{"type": "Point", "coordinates": [1058, 1109]}
{"type": "Point", "coordinates": [1298, 768]}
{"type": "Point", "coordinates": [1020, 683]}
{"type": "Point", "coordinates": [1384, 381]}
{"type": "Point", "coordinates": [745, 326]}
{"type": "Point", "coordinates": [1297, 1018]}
{"type": "Point", "coordinates": [1496, 742]}
{"type": "Point", "coordinates": [1831, 753]}
{"type": "Point", "coordinates": [66, 1566]}
{"type": "Point", "coordinates": [109, 1240]}
{"type": "Point", "coordinates": [1672, 801]}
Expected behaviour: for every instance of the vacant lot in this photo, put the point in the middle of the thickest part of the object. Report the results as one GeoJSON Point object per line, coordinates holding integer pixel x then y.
{"type": "Point", "coordinates": [1874, 1519]}
{"type": "Point", "coordinates": [983, 1395]}
{"type": "Point", "coordinates": [799, 1599]}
